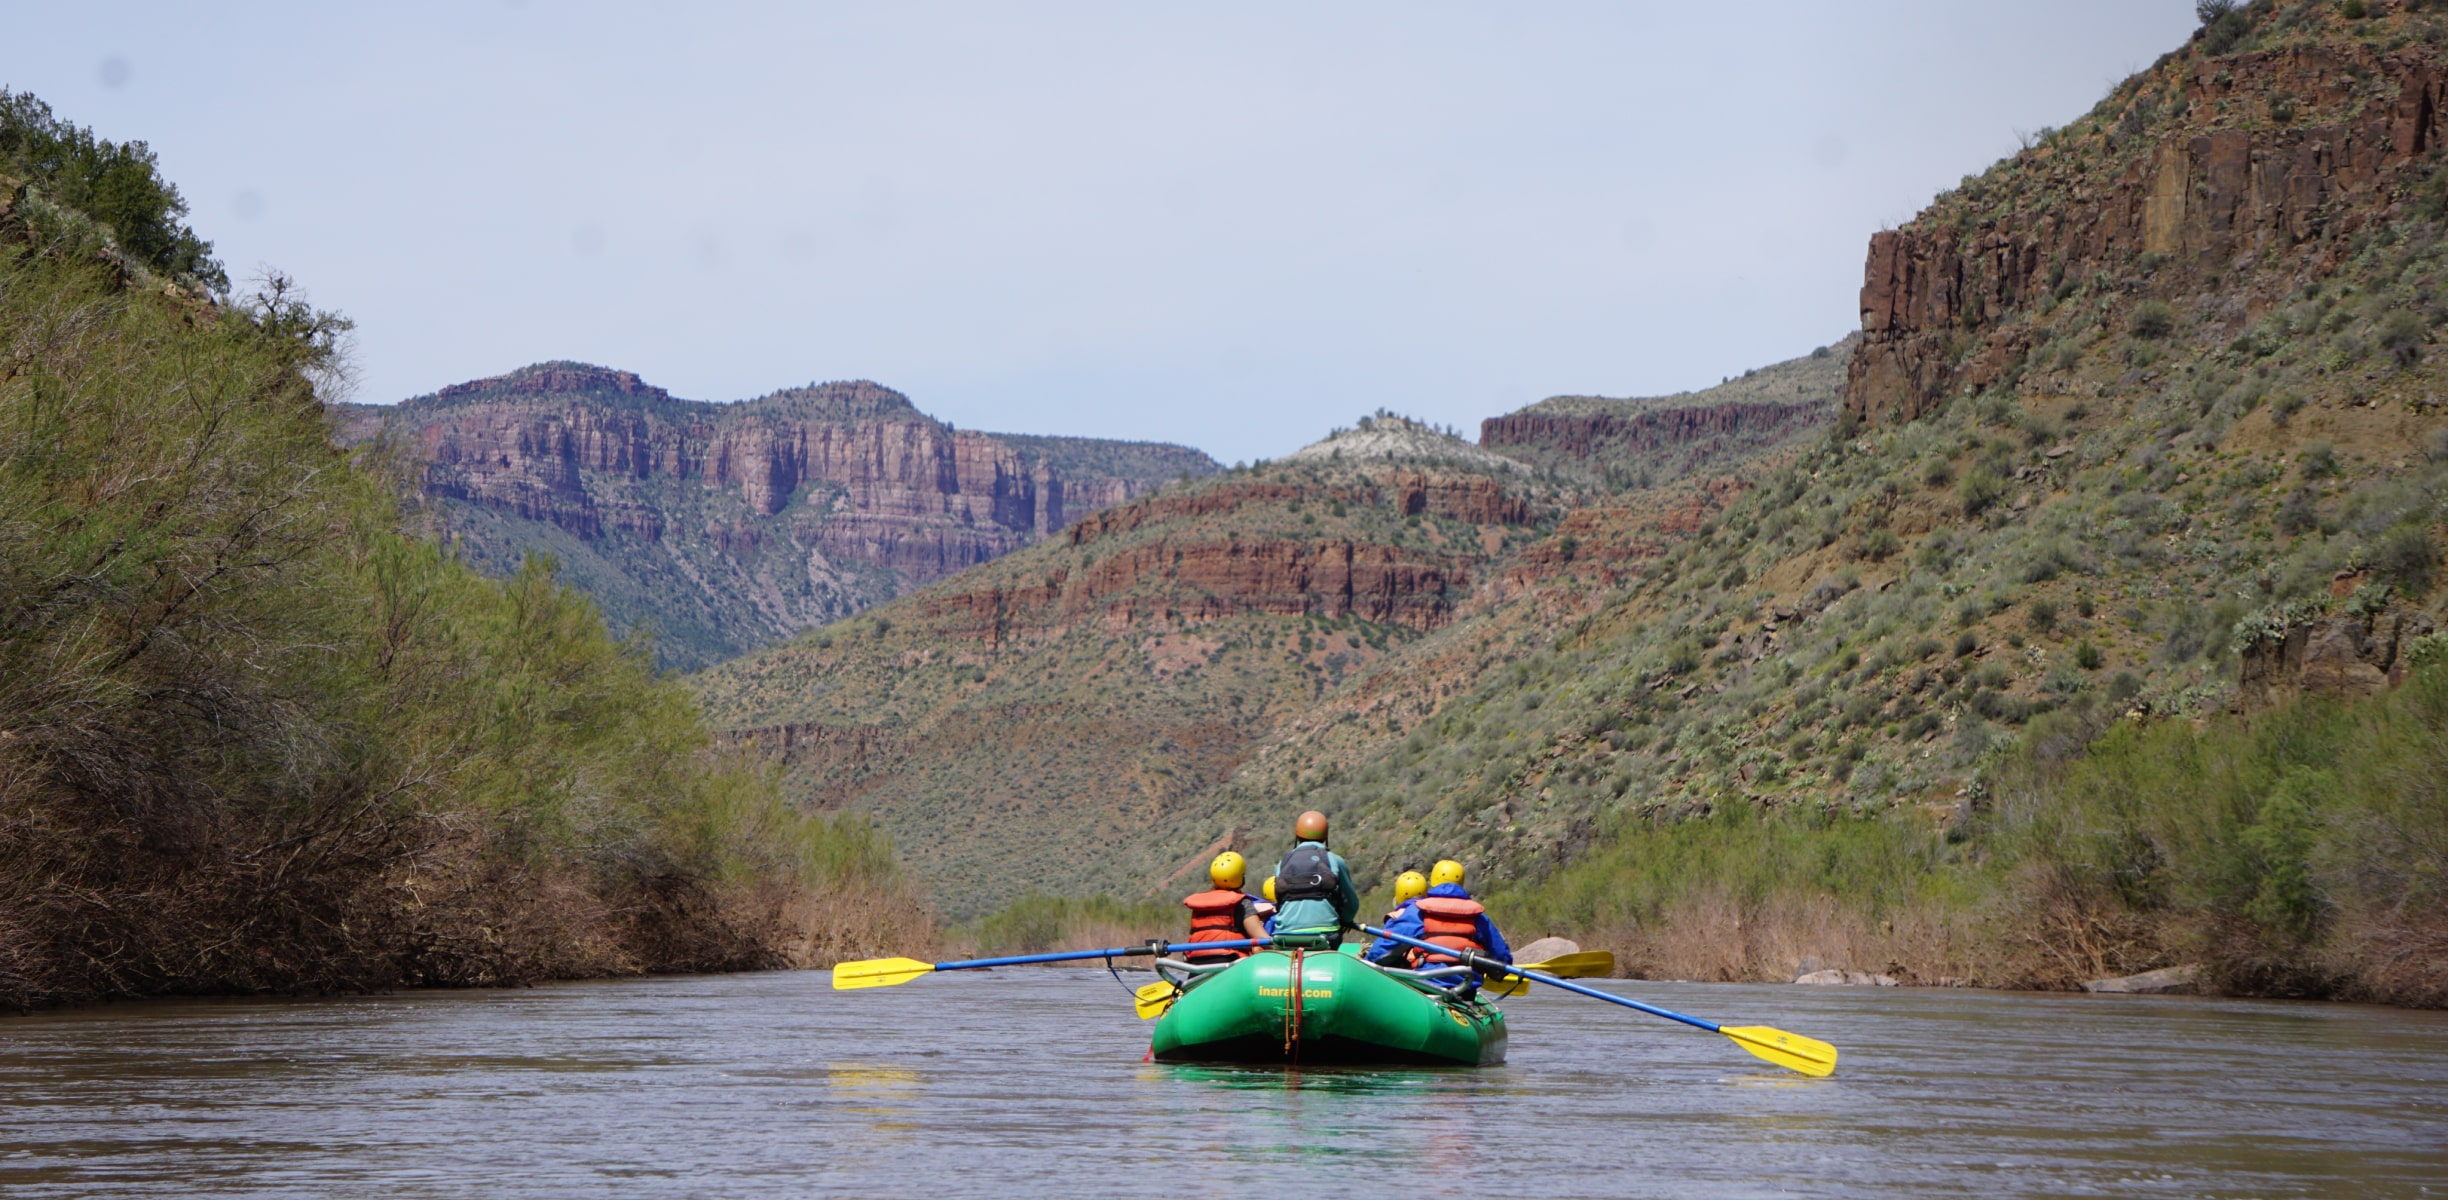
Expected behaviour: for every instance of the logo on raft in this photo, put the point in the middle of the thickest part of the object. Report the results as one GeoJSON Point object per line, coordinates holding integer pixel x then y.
{"type": "Point", "coordinates": [1320, 993]}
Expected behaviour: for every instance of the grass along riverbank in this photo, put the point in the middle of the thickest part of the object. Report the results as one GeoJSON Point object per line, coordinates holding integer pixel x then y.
{"type": "Point", "coordinates": [2300, 852]}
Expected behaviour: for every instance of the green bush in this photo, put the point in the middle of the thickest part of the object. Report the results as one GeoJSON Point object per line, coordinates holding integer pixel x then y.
{"type": "Point", "coordinates": [2402, 334]}
{"type": "Point", "coordinates": [117, 184]}
{"type": "Point", "coordinates": [1981, 490]}
{"type": "Point", "coordinates": [2152, 319]}
{"type": "Point", "coordinates": [219, 652]}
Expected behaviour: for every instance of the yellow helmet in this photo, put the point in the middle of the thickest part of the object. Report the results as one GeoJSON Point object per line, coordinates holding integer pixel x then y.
{"type": "Point", "coordinates": [1227, 869]}
{"type": "Point", "coordinates": [1270, 889]}
{"type": "Point", "coordinates": [1446, 871]}
{"type": "Point", "coordinates": [1409, 886]}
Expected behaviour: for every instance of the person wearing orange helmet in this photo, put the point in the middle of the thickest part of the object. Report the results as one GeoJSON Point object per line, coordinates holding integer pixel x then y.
{"type": "Point", "coordinates": [1223, 913]}
{"type": "Point", "coordinates": [1313, 888]}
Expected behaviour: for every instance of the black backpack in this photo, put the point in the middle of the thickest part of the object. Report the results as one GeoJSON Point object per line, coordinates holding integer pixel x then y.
{"type": "Point", "coordinates": [1305, 874]}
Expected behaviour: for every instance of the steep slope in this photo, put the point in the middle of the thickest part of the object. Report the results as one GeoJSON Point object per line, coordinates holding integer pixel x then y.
{"type": "Point", "coordinates": [254, 737]}
{"type": "Point", "coordinates": [725, 526]}
{"type": "Point", "coordinates": [2143, 422]}
{"type": "Point", "coordinates": [1056, 708]}
{"type": "Point", "coordinates": [1638, 443]}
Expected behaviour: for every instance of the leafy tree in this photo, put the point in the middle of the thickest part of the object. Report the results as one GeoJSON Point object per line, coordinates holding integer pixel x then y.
{"type": "Point", "coordinates": [118, 184]}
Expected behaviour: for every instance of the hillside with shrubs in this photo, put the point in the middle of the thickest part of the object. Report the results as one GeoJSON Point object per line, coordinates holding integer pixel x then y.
{"type": "Point", "coordinates": [2097, 637]}
{"type": "Point", "coordinates": [257, 734]}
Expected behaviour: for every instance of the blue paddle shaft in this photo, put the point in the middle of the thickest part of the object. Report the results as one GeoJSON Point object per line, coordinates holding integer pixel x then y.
{"type": "Point", "coordinates": [1492, 967]}
{"type": "Point", "coordinates": [1018, 960]}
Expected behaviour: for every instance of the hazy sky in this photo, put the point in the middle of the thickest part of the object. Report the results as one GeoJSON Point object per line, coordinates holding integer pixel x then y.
{"type": "Point", "coordinates": [1229, 225]}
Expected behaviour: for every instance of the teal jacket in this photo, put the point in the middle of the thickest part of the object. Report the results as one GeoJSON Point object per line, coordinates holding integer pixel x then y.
{"type": "Point", "coordinates": [1313, 916]}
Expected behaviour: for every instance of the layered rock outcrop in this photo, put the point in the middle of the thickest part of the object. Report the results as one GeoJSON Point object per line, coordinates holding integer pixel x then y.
{"type": "Point", "coordinates": [1473, 498]}
{"type": "Point", "coordinates": [2333, 654]}
{"type": "Point", "coordinates": [776, 513]}
{"type": "Point", "coordinates": [2191, 172]}
{"type": "Point", "coordinates": [1587, 435]}
{"type": "Point", "coordinates": [1170, 580]}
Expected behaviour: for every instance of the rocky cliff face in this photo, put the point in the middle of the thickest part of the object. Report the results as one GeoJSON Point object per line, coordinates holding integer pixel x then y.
{"type": "Point", "coordinates": [774, 514]}
{"type": "Point", "coordinates": [2236, 174]}
{"type": "Point", "coordinates": [2336, 654]}
{"type": "Point", "coordinates": [1645, 442]}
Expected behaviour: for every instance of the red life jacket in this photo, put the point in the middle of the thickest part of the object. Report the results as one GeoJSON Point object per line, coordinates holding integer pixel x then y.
{"type": "Point", "coordinates": [1215, 916]}
{"type": "Point", "coordinates": [1448, 922]}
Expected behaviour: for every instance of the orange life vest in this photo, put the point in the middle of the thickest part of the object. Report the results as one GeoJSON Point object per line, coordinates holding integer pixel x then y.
{"type": "Point", "coordinates": [1448, 922]}
{"type": "Point", "coordinates": [1215, 916]}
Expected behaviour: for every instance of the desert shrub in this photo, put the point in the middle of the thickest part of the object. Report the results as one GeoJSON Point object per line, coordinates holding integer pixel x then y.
{"type": "Point", "coordinates": [2087, 656]}
{"type": "Point", "coordinates": [2406, 557]}
{"type": "Point", "coordinates": [1982, 489]}
{"type": "Point", "coordinates": [2298, 513]}
{"type": "Point", "coordinates": [1938, 474]}
{"type": "Point", "coordinates": [2318, 460]}
{"type": "Point", "coordinates": [2152, 319]}
{"type": "Point", "coordinates": [2042, 615]}
{"type": "Point", "coordinates": [2402, 334]}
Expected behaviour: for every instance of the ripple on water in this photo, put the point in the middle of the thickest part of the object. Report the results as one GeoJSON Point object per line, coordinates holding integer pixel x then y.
{"type": "Point", "coordinates": [1031, 1083]}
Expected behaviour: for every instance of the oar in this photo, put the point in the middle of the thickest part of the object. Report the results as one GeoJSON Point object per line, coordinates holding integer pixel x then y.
{"type": "Point", "coordinates": [1583, 964]}
{"type": "Point", "coordinates": [1791, 1051]}
{"type": "Point", "coordinates": [885, 972]}
{"type": "Point", "coordinates": [1152, 999]}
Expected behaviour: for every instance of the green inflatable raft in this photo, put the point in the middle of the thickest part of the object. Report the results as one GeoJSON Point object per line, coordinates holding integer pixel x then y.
{"type": "Point", "coordinates": [1344, 1012]}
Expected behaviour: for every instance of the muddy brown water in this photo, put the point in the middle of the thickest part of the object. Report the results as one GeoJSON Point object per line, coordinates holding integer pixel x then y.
{"type": "Point", "coordinates": [1029, 1083]}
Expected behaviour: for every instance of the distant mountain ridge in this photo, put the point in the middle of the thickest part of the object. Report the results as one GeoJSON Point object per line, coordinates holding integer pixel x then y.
{"type": "Point", "coordinates": [726, 526]}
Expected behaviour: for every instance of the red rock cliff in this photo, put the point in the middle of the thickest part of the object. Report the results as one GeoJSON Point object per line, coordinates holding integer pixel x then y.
{"type": "Point", "coordinates": [862, 476]}
{"type": "Point", "coordinates": [2208, 165]}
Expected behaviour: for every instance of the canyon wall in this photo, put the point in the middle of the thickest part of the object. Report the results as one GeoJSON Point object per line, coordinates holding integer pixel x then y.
{"type": "Point", "coordinates": [782, 512]}
{"type": "Point", "coordinates": [2277, 157]}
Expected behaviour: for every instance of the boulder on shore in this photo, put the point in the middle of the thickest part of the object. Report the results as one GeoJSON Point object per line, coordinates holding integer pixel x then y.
{"type": "Point", "coordinates": [1836, 978]}
{"type": "Point", "coordinates": [1546, 948]}
{"type": "Point", "coordinates": [2163, 982]}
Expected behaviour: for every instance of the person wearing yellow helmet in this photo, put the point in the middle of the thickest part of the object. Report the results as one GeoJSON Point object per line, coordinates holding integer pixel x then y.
{"type": "Point", "coordinates": [1446, 916]}
{"type": "Point", "coordinates": [1408, 886]}
{"type": "Point", "coordinates": [1223, 913]}
{"type": "Point", "coordinates": [1314, 886]}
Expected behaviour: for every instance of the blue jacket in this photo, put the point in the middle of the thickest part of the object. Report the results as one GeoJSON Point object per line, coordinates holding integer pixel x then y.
{"type": "Point", "coordinates": [1386, 949]}
{"type": "Point", "coordinates": [1406, 921]}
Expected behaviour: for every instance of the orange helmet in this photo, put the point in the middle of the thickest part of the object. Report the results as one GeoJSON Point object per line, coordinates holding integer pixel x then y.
{"type": "Point", "coordinates": [1311, 827]}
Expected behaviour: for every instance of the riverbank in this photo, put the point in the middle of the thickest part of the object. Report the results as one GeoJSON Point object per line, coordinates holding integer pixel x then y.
{"type": "Point", "coordinates": [2297, 852]}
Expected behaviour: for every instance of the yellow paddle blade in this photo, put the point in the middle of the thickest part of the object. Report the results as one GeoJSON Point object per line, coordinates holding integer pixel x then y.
{"type": "Point", "coordinates": [1585, 964]}
{"type": "Point", "coordinates": [878, 972]}
{"type": "Point", "coordinates": [1151, 1000]}
{"type": "Point", "coordinates": [1505, 985]}
{"type": "Point", "coordinates": [1791, 1051]}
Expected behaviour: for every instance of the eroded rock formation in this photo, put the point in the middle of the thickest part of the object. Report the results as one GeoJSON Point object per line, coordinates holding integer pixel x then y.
{"type": "Point", "coordinates": [781, 512]}
{"type": "Point", "coordinates": [2251, 156]}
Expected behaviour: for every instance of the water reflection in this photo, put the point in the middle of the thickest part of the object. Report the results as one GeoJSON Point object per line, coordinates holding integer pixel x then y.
{"type": "Point", "coordinates": [1030, 1083]}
